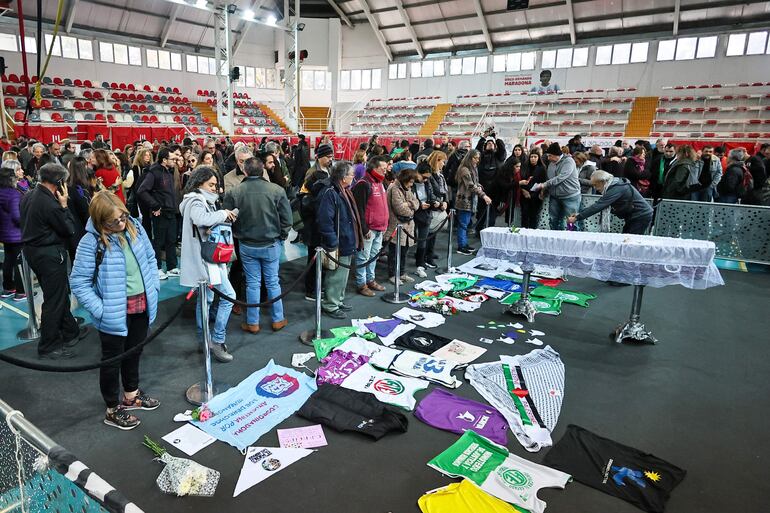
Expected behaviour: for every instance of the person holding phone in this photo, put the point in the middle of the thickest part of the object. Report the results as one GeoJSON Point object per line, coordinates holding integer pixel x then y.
{"type": "Point", "coordinates": [47, 225]}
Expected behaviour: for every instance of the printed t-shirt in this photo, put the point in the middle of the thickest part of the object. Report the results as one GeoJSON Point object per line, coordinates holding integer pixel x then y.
{"type": "Point", "coordinates": [422, 341]}
{"type": "Point", "coordinates": [463, 497]}
{"type": "Point", "coordinates": [390, 389]}
{"type": "Point", "coordinates": [338, 365]}
{"type": "Point", "coordinates": [450, 412]}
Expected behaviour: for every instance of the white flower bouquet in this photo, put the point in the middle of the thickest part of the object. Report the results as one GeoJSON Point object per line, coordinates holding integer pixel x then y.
{"type": "Point", "coordinates": [182, 476]}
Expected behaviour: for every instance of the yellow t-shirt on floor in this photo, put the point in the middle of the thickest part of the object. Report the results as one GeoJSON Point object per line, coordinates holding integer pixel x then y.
{"type": "Point", "coordinates": [464, 497]}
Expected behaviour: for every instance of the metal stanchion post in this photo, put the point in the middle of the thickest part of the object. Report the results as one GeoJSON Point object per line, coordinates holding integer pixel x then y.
{"type": "Point", "coordinates": [307, 336]}
{"type": "Point", "coordinates": [524, 305]}
{"type": "Point", "coordinates": [32, 332]}
{"type": "Point", "coordinates": [449, 243]}
{"type": "Point", "coordinates": [203, 392]}
{"type": "Point", "coordinates": [398, 297]}
{"type": "Point", "coordinates": [634, 329]}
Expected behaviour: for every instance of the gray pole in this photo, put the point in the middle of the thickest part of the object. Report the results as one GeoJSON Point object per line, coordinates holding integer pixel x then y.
{"type": "Point", "coordinates": [307, 336]}
{"type": "Point", "coordinates": [397, 297]}
{"type": "Point", "coordinates": [32, 332]}
{"type": "Point", "coordinates": [203, 392]}
{"type": "Point", "coordinates": [449, 241]}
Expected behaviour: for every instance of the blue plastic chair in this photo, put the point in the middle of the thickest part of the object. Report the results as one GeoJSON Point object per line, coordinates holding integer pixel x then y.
{"type": "Point", "coordinates": [68, 82]}
{"type": "Point", "coordinates": [21, 103]}
{"type": "Point", "coordinates": [88, 116]}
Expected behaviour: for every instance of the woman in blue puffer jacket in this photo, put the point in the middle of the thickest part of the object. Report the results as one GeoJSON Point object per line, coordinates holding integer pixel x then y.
{"type": "Point", "coordinates": [115, 278]}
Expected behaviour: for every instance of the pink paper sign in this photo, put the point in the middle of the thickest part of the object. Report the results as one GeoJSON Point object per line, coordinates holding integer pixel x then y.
{"type": "Point", "coordinates": [303, 437]}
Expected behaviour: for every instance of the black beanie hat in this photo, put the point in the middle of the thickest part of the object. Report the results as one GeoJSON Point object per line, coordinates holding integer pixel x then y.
{"type": "Point", "coordinates": [554, 149]}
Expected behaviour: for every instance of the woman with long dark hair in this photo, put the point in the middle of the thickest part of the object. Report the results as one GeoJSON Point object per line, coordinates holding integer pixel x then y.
{"type": "Point", "coordinates": [81, 190]}
{"type": "Point", "coordinates": [199, 213]}
{"type": "Point", "coordinates": [533, 171]}
{"type": "Point", "coordinates": [114, 277]}
{"type": "Point", "coordinates": [10, 230]}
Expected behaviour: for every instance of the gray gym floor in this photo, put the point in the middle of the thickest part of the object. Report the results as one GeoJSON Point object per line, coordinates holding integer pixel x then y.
{"type": "Point", "coordinates": [698, 399]}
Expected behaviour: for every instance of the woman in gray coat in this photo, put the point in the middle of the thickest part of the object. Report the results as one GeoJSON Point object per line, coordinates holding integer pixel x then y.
{"type": "Point", "coordinates": [199, 213]}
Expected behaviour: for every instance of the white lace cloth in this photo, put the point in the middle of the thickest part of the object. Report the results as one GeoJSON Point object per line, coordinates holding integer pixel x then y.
{"type": "Point", "coordinates": [625, 258]}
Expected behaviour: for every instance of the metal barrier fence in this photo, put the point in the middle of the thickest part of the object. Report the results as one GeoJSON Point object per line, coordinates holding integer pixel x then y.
{"type": "Point", "coordinates": [592, 224]}
{"type": "Point", "coordinates": [740, 232]}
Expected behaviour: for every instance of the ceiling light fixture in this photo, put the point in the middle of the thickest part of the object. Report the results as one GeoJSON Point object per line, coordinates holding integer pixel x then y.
{"type": "Point", "coordinates": [201, 4]}
{"type": "Point", "coordinates": [248, 14]}
{"type": "Point", "coordinates": [271, 19]}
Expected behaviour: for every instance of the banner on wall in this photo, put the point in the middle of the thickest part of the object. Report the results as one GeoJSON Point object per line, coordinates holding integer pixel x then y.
{"type": "Point", "coordinates": [542, 83]}
{"type": "Point", "coordinates": [519, 81]}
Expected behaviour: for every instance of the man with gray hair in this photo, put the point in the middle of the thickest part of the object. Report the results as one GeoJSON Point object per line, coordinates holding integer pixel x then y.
{"type": "Point", "coordinates": [234, 178]}
{"type": "Point", "coordinates": [47, 224]}
{"type": "Point", "coordinates": [622, 198]}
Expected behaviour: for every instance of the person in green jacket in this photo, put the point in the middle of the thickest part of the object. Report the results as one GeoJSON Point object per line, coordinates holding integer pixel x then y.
{"type": "Point", "coordinates": [675, 185]}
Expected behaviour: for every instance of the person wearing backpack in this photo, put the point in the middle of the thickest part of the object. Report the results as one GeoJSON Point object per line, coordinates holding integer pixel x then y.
{"type": "Point", "coordinates": [115, 278]}
{"type": "Point", "coordinates": [737, 181]}
{"type": "Point", "coordinates": [199, 214]}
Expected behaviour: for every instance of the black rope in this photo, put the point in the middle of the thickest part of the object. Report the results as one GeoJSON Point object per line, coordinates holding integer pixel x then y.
{"type": "Point", "coordinates": [269, 302]}
{"type": "Point", "coordinates": [431, 235]}
{"type": "Point", "coordinates": [353, 264]}
{"type": "Point", "coordinates": [26, 364]}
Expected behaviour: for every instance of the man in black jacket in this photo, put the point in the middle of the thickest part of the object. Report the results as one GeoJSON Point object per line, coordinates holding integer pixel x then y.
{"type": "Point", "coordinates": [47, 224]}
{"type": "Point", "coordinates": [492, 157]}
{"type": "Point", "coordinates": [659, 168]}
{"type": "Point", "coordinates": [301, 162]}
{"type": "Point", "coordinates": [158, 194]}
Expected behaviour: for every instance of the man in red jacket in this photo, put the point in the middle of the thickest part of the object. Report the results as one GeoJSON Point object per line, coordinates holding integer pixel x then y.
{"type": "Point", "coordinates": [372, 203]}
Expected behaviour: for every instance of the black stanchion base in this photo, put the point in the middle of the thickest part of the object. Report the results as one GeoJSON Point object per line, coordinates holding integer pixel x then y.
{"type": "Point", "coordinates": [308, 336]}
{"type": "Point", "coordinates": [28, 335]}
{"type": "Point", "coordinates": [395, 299]}
{"type": "Point", "coordinates": [194, 395]}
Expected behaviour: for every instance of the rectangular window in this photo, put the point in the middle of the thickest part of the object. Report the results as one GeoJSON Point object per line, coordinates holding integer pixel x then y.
{"type": "Point", "coordinates": [639, 52]}
{"type": "Point", "coordinates": [401, 70]}
{"type": "Point", "coordinates": [86, 48]}
{"type": "Point", "coordinates": [736, 44]}
{"type": "Point", "coordinates": [69, 47]}
{"type": "Point", "coordinates": [271, 79]}
{"type": "Point", "coordinates": [259, 78]}
{"type": "Point", "coordinates": [621, 53]}
{"type": "Point", "coordinates": [513, 62]}
{"type": "Point", "coordinates": [203, 65]}
{"type": "Point", "coordinates": [30, 44]}
{"type": "Point", "coordinates": [579, 57]}
{"type": "Point", "coordinates": [134, 56]}
{"type": "Point", "coordinates": [251, 77]}
{"type": "Point", "coordinates": [666, 50]}
{"type": "Point", "coordinates": [345, 80]}
{"type": "Point", "coordinates": [549, 59]}
{"type": "Point", "coordinates": [455, 66]}
{"type": "Point", "coordinates": [121, 54]}
{"type": "Point", "coordinates": [498, 63]}
{"type": "Point", "coordinates": [438, 68]}
{"type": "Point", "coordinates": [192, 62]}
{"type": "Point", "coordinates": [416, 70]}
{"type": "Point", "coordinates": [685, 48]}
{"type": "Point", "coordinates": [105, 52]}
{"type": "Point", "coordinates": [707, 47]}
{"type": "Point", "coordinates": [427, 69]}
{"type": "Point", "coordinates": [213, 67]}
{"type": "Point", "coordinates": [757, 43]}
{"type": "Point", "coordinates": [8, 42]}
{"type": "Point", "coordinates": [564, 58]}
{"type": "Point", "coordinates": [152, 60]}
{"type": "Point", "coordinates": [376, 79]}
{"type": "Point", "coordinates": [164, 60]}
{"type": "Point", "coordinates": [481, 65]}
{"type": "Point", "coordinates": [56, 51]}
{"type": "Point", "coordinates": [469, 65]}
{"type": "Point", "coordinates": [528, 60]}
{"type": "Point", "coordinates": [355, 79]}
{"type": "Point", "coordinates": [176, 61]}
{"type": "Point", "coordinates": [392, 71]}
{"type": "Point", "coordinates": [366, 79]}
{"type": "Point", "coordinates": [603, 55]}
{"type": "Point", "coordinates": [306, 79]}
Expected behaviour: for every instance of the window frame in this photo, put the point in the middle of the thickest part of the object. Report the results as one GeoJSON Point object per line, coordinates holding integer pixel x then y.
{"type": "Point", "coordinates": [102, 57]}
{"type": "Point", "coordinates": [86, 43]}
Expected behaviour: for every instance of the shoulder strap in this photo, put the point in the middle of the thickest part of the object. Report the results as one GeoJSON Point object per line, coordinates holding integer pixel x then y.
{"type": "Point", "coordinates": [98, 257]}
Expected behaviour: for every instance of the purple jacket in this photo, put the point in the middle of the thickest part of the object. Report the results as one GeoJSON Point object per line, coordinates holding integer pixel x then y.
{"type": "Point", "coordinates": [10, 216]}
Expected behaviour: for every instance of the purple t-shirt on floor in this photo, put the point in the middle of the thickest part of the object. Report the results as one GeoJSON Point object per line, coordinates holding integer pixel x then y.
{"type": "Point", "coordinates": [383, 328]}
{"type": "Point", "coordinates": [456, 414]}
{"type": "Point", "coordinates": [338, 365]}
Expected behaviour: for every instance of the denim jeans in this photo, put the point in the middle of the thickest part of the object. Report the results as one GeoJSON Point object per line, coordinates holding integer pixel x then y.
{"type": "Point", "coordinates": [334, 285]}
{"type": "Point", "coordinates": [223, 308]}
{"type": "Point", "coordinates": [256, 263]}
{"type": "Point", "coordinates": [706, 195]}
{"type": "Point", "coordinates": [561, 208]}
{"type": "Point", "coordinates": [463, 221]}
{"type": "Point", "coordinates": [372, 246]}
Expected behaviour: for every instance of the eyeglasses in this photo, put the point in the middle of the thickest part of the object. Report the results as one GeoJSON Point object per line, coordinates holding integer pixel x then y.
{"type": "Point", "coordinates": [115, 223]}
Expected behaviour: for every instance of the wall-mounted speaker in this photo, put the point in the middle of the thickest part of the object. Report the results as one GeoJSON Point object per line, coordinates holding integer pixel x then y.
{"type": "Point", "coordinates": [516, 5]}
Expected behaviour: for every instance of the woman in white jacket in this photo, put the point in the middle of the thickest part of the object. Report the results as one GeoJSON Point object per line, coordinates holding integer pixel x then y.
{"type": "Point", "coordinates": [199, 213]}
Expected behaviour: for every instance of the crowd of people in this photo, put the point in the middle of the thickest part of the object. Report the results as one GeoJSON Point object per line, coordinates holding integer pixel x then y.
{"type": "Point", "coordinates": [127, 218]}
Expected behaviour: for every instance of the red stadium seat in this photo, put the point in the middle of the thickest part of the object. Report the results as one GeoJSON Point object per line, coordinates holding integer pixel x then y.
{"type": "Point", "coordinates": [114, 85]}
{"type": "Point", "coordinates": [18, 116]}
{"type": "Point", "coordinates": [57, 117]}
{"type": "Point", "coordinates": [148, 88]}
{"type": "Point", "coordinates": [87, 83]}
{"type": "Point", "coordinates": [56, 80]}
{"type": "Point", "coordinates": [78, 105]}
{"type": "Point", "coordinates": [145, 119]}
{"type": "Point", "coordinates": [110, 118]}
{"type": "Point", "coordinates": [15, 79]}
{"type": "Point", "coordinates": [11, 90]}
{"type": "Point", "coordinates": [99, 117]}
{"type": "Point", "coordinates": [115, 95]}
{"type": "Point", "coordinates": [132, 97]}
{"type": "Point", "coordinates": [9, 103]}
{"type": "Point", "coordinates": [123, 86]}
{"type": "Point", "coordinates": [98, 95]}
{"type": "Point", "coordinates": [177, 119]}
{"type": "Point", "coordinates": [45, 104]}
{"type": "Point", "coordinates": [88, 95]}
{"type": "Point", "coordinates": [88, 106]}
{"type": "Point", "coordinates": [153, 118]}
{"type": "Point", "coordinates": [131, 87]}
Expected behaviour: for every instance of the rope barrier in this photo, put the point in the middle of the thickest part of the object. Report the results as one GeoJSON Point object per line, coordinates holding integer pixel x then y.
{"type": "Point", "coordinates": [269, 302]}
{"type": "Point", "coordinates": [353, 265]}
{"type": "Point", "coordinates": [431, 235]}
{"type": "Point", "coordinates": [26, 364]}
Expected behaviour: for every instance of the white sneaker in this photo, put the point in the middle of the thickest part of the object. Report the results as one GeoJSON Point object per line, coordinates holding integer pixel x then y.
{"type": "Point", "coordinates": [421, 272]}
{"type": "Point", "coordinates": [173, 273]}
{"type": "Point", "coordinates": [393, 280]}
{"type": "Point", "coordinates": [162, 275]}
{"type": "Point", "coordinates": [406, 278]}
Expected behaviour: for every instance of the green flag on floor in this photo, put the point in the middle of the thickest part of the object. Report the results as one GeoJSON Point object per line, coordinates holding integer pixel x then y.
{"type": "Point", "coordinates": [324, 346]}
{"type": "Point", "coordinates": [542, 305]}
{"type": "Point", "coordinates": [566, 296]}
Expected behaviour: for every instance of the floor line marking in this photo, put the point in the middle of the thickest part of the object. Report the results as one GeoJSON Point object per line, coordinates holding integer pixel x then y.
{"type": "Point", "coordinates": [14, 309]}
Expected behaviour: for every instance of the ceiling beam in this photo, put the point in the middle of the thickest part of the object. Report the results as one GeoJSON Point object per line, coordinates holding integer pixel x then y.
{"type": "Point", "coordinates": [146, 13]}
{"type": "Point", "coordinates": [244, 27]}
{"type": "Point", "coordinates": [169, 23]}
{"type": "Point", "coordinates": [377, 32]}
{"type": "Point", "coordinates": [71, 16]}
{"type": "Point", "coordinates": [677, 8]}
{"type": "Point", "coordinates": [409, 28]}
{"type": "Point", "coordinates": [484, 27]}
{"type": "Point", "coordinates": [341, 13]}
{"type": "Point", "coordinates": [571, 19]}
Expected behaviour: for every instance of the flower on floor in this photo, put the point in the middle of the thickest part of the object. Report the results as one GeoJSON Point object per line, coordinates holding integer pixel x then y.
{"type": "Point", "coordinates": [202, 413]}
{"type": "Point", "coordinates": [181, 476]}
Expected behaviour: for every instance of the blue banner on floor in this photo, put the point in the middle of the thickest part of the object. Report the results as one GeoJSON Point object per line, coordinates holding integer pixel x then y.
{"type": "Point", "coordinates": [259, 403]}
